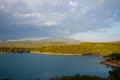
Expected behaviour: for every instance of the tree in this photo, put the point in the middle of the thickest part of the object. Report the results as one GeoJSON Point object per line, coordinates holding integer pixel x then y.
{"type": "Point", "coordinates": [114, 74]}
{"type": "Point", "coordinates": [115, 56]}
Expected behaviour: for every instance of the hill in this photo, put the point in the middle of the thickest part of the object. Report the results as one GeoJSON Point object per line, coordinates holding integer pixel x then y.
{"type": "Point", "coordinates": [56, 40]}
{"type": "Point", "coordinates": [101, 48]}
{"type": "Point", "coordinates": [64, 40]}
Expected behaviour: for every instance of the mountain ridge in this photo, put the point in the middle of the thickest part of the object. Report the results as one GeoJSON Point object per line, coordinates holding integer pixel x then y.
{"type": "Point", "coordinates": [59, 39]}
{"type": "Point", "coordinates": [65, 40]}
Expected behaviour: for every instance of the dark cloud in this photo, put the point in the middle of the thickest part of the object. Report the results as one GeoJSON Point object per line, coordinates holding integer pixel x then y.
{"type": "Point", "coordinates": [56, 18]}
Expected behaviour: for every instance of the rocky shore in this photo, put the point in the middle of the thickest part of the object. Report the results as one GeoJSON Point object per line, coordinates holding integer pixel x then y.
{"type": "Point", "coordinates": [113, 63]}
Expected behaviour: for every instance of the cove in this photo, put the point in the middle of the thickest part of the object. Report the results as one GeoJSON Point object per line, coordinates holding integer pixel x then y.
{"type": "Point", "coordinates": [30, 66]}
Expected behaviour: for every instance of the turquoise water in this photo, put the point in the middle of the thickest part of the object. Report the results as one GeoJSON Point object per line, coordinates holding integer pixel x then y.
{"type": "Point", "coordinates": [25, 66]}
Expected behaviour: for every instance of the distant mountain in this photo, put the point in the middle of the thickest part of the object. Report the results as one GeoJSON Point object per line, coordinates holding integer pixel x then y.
{"type": "Point", "coordinates": [65, 40]}
{"type": "Point", "coordinates": [115, 41]}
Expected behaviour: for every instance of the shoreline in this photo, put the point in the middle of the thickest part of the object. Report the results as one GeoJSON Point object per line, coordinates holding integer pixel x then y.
{"type": "Point", "coordinates": [59, 54]}
{"type": "Point", "coordinates": [112, 63]}
{"type": "Point", "coordinates": [67, 54]}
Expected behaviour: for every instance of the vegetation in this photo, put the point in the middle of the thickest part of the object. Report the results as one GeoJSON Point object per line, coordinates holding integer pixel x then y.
{"type": "Point", "coordinates": [114, 56]}
{"type": "Point", "coordinates": [20, 47]}
{"type": "Point", "coordinates": [114, 74]}
{"type": "Point", "coordinates": [112, 60]}
{"type": "Point", "coordinates": [13, 50]}
{"type": "Point", "coordinates": [105, 48]}
{"type": "Point", "coordinates": [79, 77]}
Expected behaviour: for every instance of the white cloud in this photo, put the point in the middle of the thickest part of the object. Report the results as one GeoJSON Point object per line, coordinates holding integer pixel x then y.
{"type": "Point", "coordinates": [51, 23]}
{"type": "Point", "coordinates": [110, 34]}
{"type": "Point", "coordinates": [34, 3]}
{"type": "Point", "coordinates": [92, 36]}
{"type": "Point", "coordinates": [10, 2]}
{"type": "Point", "coordinates": [38, 19]}
{"type": "Point", "coordinates": [67, 32]}
{"type": "Point", "coordinates": [85, 9]}
{"type": "Point", "coordinates": [2, 6]}
{"type": "Point", "coordinates": [73, 4]}
{"type": "Point", "coordinates": [32, 15]}
{"type": "Point", "coordinates": [17, 15]}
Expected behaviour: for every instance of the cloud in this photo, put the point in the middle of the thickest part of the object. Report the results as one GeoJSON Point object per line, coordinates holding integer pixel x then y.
{"type": "Point", "coordinates": [73, 4]}
{"type": "Point", "coordinates": [57, 17]}
{"type": "Point", "coordinates": [38, 18]}
{"type": "Point", "coordinates": [51, 23]}
{"type": "Point", "coordinates": [86, 9]}
{"type": "Point", "coordinates": [110, 34]}
{"type": "Point", "coordinates": [32, 15]}
{"type": "Point", "coordinates": [2, 7]}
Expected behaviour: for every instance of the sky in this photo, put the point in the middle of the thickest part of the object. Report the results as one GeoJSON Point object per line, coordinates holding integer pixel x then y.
{"type": "Point", "coordinates": [86, 20]}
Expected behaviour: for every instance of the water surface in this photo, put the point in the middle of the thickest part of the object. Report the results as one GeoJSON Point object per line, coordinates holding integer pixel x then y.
{"type": "Point", "coordinates": [25, 66]}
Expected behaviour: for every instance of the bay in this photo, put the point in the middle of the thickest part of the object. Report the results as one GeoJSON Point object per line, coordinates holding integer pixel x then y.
{"type": "Point", "coordinates": [31, 66]}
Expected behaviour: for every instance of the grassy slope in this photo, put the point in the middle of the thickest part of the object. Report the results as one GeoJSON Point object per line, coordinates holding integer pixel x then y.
{"type": "Point", "coordinates": [104, 48]}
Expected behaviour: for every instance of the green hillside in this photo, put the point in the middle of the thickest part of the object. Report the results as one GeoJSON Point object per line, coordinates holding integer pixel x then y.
{"type": "Point", "coordinates": [101, 48]}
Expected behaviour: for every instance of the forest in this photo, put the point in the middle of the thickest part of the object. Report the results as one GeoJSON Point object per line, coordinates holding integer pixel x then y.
{"type": "Point", "coordinates": [95, 48]}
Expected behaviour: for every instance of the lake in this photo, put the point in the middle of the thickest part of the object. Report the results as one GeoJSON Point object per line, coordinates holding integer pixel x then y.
{"type": "Point", "coordinates": [28, 65]}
